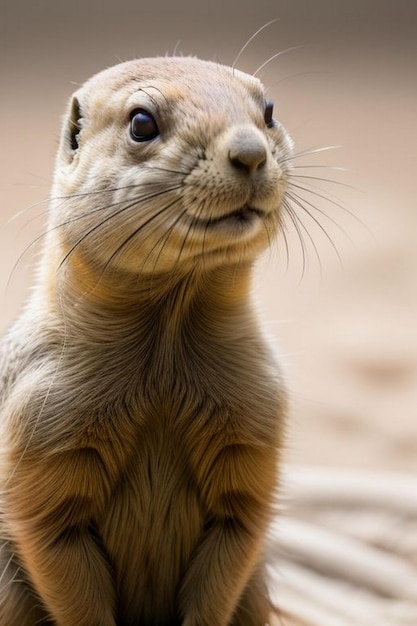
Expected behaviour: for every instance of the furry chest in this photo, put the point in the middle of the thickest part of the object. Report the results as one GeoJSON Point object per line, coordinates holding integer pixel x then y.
{"type": "Point", "coordinates": [150, 528]}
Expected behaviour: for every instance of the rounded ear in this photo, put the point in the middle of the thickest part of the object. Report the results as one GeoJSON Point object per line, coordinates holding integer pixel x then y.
{"type": "Point", "coordinates": [72, 129]}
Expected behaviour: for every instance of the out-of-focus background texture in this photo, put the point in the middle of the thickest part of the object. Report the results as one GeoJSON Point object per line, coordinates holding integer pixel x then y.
{"type": "Point", "coordinates": [346, 327]}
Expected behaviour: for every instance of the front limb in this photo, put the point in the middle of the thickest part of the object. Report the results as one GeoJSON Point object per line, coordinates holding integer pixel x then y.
{"type": "Point", "coordinates": [50, 505]}
{"type": "Point", "coordinates": [237, 489]}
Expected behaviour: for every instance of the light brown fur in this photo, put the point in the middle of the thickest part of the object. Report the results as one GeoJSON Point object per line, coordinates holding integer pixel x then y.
{"type": "Point", "coordinates": [141, 407]}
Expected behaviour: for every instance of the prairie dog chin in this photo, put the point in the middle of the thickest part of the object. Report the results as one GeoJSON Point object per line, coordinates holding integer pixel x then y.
{"type": "Point", "coordinates": [141, 408]}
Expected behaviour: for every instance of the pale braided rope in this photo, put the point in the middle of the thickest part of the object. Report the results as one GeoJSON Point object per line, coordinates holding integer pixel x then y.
{"type": "Point", "coordinates": [344, 551]}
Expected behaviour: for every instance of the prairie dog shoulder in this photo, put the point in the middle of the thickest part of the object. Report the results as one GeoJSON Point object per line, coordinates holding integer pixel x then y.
{"type": "Point", "coordinates": [148, 407]}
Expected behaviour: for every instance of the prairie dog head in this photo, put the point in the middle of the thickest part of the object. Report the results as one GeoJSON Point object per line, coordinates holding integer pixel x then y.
{"type": "Point", "coordinates": [169, 163]}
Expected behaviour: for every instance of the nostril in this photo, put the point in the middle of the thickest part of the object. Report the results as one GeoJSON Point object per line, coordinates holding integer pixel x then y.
{"type": "Point", "coordinates": [247, 162]}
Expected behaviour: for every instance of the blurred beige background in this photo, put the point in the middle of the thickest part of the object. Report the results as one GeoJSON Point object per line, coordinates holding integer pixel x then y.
{"type": "Point", "coordinates": [347, 332]}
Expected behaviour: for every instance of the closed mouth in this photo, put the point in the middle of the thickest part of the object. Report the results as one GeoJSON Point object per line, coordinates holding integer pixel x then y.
{"type": "Point", "coordinates": [241, 215]}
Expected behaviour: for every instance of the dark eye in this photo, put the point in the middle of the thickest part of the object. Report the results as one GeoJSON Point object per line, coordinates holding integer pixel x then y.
{"type": "Point", "coordinates": [143, 126]}
{"type": "Point", "coordinates": [269, 112]}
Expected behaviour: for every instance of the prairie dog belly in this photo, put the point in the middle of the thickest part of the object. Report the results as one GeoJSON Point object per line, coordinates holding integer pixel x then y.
{"type": "Point", "coordinates": [152, 525]}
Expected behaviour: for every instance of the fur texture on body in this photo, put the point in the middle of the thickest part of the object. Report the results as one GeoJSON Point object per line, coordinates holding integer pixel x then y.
{"type": "Point", "coordinates": [141, 407]}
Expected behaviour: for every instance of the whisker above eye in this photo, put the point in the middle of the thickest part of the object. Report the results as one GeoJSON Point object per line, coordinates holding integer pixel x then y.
{"type": "Point", "coordinates": [296, 75]}
{"type": "Point", "coordinates": [274, 56]}
{"type": "Point", "coordinates": [243, 48]}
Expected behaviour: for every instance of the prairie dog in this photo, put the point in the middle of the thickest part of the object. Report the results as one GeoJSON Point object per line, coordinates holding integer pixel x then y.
{"type": "Point", "coordinates": [141, 407]}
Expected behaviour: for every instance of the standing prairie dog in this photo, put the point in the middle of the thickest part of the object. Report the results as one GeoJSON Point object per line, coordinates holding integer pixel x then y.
{"type": "Point", "coordinates": [141, 407]}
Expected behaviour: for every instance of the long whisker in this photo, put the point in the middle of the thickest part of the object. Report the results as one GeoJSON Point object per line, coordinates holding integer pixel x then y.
{"type": "Point", "coordinates": [268, 235]}
{"type": "Point", "coordinates": [310, 188]}
{"type": "Point", "coordinates": [206, 227]}
{"type": "Point", "coordinates": [6, 567]}
{"type": "Point", "coordinates": [297, 201]}
{"type": "Point", "coordinates": [340, 206]}
{"type": "Point", "coordinates": [250, 40]}
{"type": "Point", "coordinates": [26, 209]}
{"type": "Point", "coordinates": [325, 180]}
{"type": "Point", "coordinates": [41, 410]}
{"type": "Point", "coordinates": [80, 194]}
{"type": "Point", "coordinates": [282, 230]}
{"type": "Point", "coordinates": [175, 50]}
{"type": "Point", "coordinates": [320, 166]}
{"type": "Point", "coordinates": [182, 247]}
{"type": "Point", "coordinates": [274, 56]}
{"type": "Point", "coordinates": [297, 75]}
{"type": "Point", "coordinates": [76, 218]}
{"type": "Point", "coordinates": [297, 155]}
{"type": "Point", "coordinates": [294, 220]}
{"type": "Point", "coordinates": [304, 227]}
{"type": "Point", "coordinates": [138, 230]}
{"type": "Point", "coordinates": [167, 235]}
{"type": "Point", "coordinates": [208, 217]}
{"type": "Point", "coordinates": [165, 169]}
{"type": "Point", "coordinates": [84, 194]}
{"type": "Point", "coordinates": [66, 223]}
{"type": "Point", "coordinates": [162, 241]}
{"type": "Point", "coordinates": [315, 190]}
{"type": "Point", "coordinates": [55, 228]}
{"type": "Point", "coordinates": [329, 217]}
{"type": "Point", "coordinates": [112, 216]}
